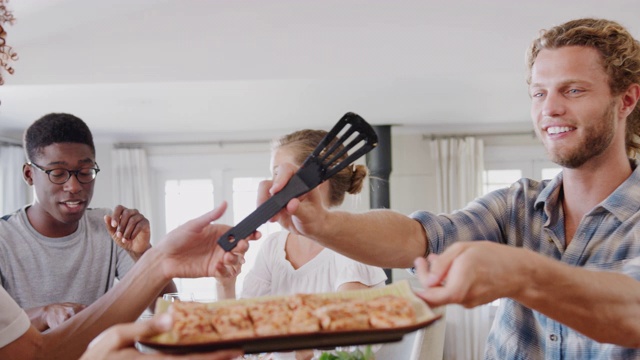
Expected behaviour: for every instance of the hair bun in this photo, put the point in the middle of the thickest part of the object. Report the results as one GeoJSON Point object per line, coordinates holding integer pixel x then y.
{"type": "Point", "coordinates": [358, 173]}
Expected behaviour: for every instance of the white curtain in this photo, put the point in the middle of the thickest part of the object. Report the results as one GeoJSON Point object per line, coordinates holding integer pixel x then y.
{"type": "Point", "coordinates": [131, 183]}
{"type": "Point", "coordinates": [15, 192]}
{"type": "Point", "coordinates": [459, 167]}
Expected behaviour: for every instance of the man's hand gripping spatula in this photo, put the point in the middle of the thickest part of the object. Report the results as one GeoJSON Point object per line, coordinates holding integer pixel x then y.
{"type": "Point", "coordinates": [352, 132]}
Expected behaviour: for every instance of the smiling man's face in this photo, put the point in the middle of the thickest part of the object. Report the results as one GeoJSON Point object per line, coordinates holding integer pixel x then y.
{"type": "Point", "coordinates": [57, 208]}
{"type": "Point", "coordinates": [572, 108]}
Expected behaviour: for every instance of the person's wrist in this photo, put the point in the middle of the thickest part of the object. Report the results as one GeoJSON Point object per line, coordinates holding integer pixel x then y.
{"type": "Point", "coordinates": [528, 286]}
{"type": "Point", "coordinates": [325, 216]}
{"type": "Point", "coordinates": [226, 283]}
{"type": "Point", "coordinates": [156, 260]}
{"type": "Point", "coordinates": [137, 255]}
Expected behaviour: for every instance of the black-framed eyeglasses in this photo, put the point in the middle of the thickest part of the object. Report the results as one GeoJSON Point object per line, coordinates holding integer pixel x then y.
{"type": "Point", "coordinates": [60, 176]}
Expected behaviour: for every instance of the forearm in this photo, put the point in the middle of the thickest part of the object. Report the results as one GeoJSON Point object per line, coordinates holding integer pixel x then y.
{"type": "Point", "coordinates": [602, 305]}
{"type": "Point", "coordinates": [122, 303]}
{"type": "Point", "coordinates": [168, 289]}
{"type": "Point", "coordinates": [381, 237]}
{"type": "Point", "coordinates": [137, 255]}
{"type": "Point", "coordinates": [226, 290]}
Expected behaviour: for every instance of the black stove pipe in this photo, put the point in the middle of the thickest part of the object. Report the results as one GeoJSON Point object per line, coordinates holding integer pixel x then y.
{"type": "Point", "coordinates": [379, 164]}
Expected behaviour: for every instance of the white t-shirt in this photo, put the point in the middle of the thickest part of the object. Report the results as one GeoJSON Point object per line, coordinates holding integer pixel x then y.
{"type": "Point", "coordinates": [14, 322]}
{"type": "Point", "coordinates": [273, 274]}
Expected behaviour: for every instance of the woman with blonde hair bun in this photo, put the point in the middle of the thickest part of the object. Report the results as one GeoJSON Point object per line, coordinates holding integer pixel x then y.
{"type": "Point", "coordinates": [289, 263]}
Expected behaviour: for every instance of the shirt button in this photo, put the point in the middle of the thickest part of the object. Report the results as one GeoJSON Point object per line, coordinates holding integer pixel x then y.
{"type": "Point", "coordinates": [553, 337]}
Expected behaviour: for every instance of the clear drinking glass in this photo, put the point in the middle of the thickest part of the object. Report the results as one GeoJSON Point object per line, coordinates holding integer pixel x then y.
{"type": "Point", "coordinates": [179, 296]}
{"type": "Point", "coordinates": [204, 296]}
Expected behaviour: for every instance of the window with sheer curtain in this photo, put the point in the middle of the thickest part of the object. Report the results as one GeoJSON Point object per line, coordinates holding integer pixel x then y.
{"type": "Point", "coordinates": [459, 167]}
{"type": "Point", "coordinates": [187, 186]}
{"type": "Point", "coordinates": [15, 192]}
{"type": "Point", "coordinates": [187, 199]}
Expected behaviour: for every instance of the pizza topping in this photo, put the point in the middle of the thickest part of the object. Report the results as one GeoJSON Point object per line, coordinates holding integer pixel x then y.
{"type": "Point", "coordinates": [351, 315]}
{"type": "Point", "coordinates": [232, 322]}
{"type": "Point", "coordinates": [270, 318]}
{"type": "Point", "coordinates": [192, 323]}
{"type": "Point", "coordinates": [391, 311]}
{"type": "Point", "coordinates": [303, 321]}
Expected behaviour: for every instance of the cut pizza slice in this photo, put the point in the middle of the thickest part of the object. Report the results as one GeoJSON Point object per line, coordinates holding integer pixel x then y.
{"type": "Point", "coordinates": [307, 301]}
{"type": "Point", "coordinates": [391, 311]}
{"type": "Point", "coordinates": [192, 323]}
{"type": "Point", "coordinates": [270, 317]}
{"type": "Point", "coordinates": [343, 315]}
{"type": "Point", "coordinates": [232, 322]}
{"type": "Point", "coordinates": [303, 321]}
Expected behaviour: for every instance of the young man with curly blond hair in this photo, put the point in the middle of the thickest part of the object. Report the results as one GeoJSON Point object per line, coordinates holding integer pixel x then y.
{"type": "Point", "coordinates": [564, 253]}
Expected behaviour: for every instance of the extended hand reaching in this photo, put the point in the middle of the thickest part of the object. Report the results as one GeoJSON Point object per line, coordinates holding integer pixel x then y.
{"type": "Point", "coordinates": [191, 250]}
{"type": "Point", "coordinates": [471, 273]}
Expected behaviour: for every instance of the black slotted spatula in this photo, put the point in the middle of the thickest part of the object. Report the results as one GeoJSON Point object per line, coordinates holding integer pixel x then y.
{"type": "Point", "coordinates": [350, 131]}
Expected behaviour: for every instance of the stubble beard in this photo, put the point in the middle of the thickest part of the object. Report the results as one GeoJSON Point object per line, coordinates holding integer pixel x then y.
{"type": "Point", "coordinates": [597, 140]}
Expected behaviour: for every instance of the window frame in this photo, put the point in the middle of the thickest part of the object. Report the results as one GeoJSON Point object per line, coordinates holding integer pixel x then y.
{"type": "Point", "coordinates": [220, 168]}
{"type": "Point", "coordinates": [530, 159]}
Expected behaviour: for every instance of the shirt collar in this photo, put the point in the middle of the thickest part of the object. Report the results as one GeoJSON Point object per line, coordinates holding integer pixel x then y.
{"type": "Point", "coordinates": [623, 202]}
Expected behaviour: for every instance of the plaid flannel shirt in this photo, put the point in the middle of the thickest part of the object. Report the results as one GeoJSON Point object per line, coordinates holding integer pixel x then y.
{"type": "Point", "coordinates": [528, 214]}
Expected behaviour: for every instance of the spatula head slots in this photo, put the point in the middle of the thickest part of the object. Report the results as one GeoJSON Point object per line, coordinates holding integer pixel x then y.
{"type": "Point", "coordinates": [327, 159]}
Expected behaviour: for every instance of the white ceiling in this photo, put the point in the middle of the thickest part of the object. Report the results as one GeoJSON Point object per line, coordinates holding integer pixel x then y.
{"type": "Point", "coordinates": [165, 70]}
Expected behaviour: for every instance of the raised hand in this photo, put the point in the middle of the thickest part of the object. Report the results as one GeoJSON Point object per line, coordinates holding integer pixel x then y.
{"type": "Point", "coordinates": [129, 229]}
{"type": "Point", "coordinates": [227, 273]}
{"type": "Point", "coordinates": [226, 276]}
{"type": "Point", "coordinates": [191, 250]}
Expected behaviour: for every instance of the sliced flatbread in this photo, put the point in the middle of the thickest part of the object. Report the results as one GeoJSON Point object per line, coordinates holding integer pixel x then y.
{"type": "Point", "coordinates": [296, 314]}
{"type": "Point", "coordinates": [192, 323]}
{"type": "Point", "coordinates": [270, 317]}
{"type": "Point", "coordinates": [232, 322]}
{"type": "Point", "coordinates": [343, 315]}
{"type": "Point", "coordinates": [391, 311]}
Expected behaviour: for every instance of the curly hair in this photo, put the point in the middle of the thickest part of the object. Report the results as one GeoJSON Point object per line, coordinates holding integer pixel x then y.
{"type": "Point", "coordinates": [56, 128]}
{"type": "Point", "coordinates": [302, 143]}
{"type": "Point", "coordinates": [620, 59]}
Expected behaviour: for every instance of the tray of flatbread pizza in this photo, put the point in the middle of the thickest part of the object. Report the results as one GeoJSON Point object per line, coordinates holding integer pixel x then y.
{"type": "Point", "coordinates": [300, 321]}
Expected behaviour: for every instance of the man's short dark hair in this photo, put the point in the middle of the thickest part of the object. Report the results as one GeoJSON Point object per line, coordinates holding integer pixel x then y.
{"type": "Point", "coordinates": [56, 128]}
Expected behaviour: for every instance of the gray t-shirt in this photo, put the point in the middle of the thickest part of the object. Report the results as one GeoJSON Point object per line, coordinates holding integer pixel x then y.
{"type": "Point", "coordinates": [37, 270]}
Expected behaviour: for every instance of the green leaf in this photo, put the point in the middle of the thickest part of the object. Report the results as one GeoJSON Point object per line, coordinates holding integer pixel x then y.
{"type": "Point", "coordinates": [346, 355]}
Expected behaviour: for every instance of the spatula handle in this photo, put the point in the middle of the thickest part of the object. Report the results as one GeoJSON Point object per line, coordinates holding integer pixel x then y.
{"type": "Point", "coordinates": [294, 188]}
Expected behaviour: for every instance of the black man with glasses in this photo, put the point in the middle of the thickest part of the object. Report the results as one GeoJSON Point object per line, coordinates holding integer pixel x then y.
{"type": "Point", "coordinates": [57, 255]}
